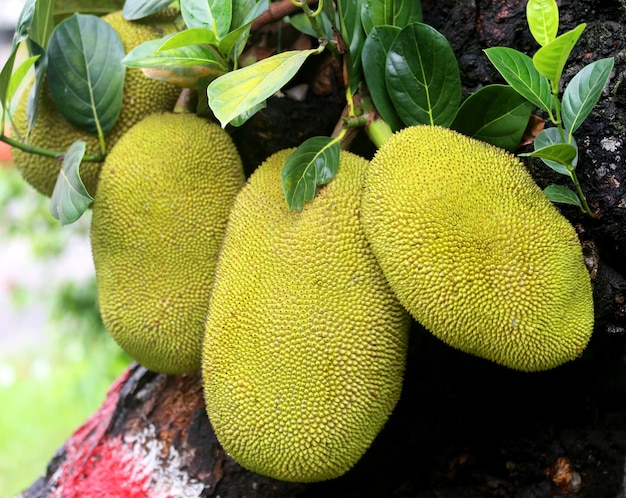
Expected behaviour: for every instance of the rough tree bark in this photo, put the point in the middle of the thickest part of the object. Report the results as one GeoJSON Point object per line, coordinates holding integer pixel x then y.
{"type": "Point", "coordinates": [464, 427]}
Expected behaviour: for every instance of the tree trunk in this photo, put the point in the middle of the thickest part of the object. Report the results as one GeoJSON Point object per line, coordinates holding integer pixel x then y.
{"type": "Point", "coordinates": [464, 427]}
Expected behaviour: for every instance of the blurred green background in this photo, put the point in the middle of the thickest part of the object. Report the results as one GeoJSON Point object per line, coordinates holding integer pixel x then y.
{"type": "Point", "coordinates": [56, 359]}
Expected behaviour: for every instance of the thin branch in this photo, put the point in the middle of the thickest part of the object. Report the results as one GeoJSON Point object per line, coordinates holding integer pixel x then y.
{"type": "Point", "coordinates": [277, 11]}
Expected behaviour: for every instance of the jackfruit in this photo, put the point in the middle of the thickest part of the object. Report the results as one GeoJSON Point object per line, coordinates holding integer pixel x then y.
{"type": "Point", "coordinates": [305, 343]}
{"type": "Point", "coordinates": [475, 251]}
{"type": "Point", "coordinates": [142, 96]}
{"type": "Point", "coordinates": [165, 192]}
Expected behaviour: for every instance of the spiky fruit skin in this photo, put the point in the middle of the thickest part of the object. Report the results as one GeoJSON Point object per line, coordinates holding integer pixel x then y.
{"type": "Point", "coordinates": [142, 96]}
{"type": "Point", "coordinates": [305, 343]}
{"type": "Point", "coordinates": [158, 222]}
{"type": "Point", "coordinates": [475, 251]}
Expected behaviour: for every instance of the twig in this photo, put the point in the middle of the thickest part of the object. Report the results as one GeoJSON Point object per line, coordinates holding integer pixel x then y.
{"type": "Point", "coordinates": [277, 11]}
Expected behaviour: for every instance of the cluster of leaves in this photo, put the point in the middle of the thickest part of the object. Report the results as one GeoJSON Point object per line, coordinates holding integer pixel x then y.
{"type": "Point", "coordinates": [398, 72]}
{"type": "Point", "coordinates": [538, 80]}
{"type": "Point", "coordinates": [396, 66]}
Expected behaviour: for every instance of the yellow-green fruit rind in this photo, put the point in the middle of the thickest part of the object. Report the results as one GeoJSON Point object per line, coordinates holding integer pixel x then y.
{"type": "Point", "coordinates": [305, 343]}
{"type": "Point", "coordinates": [142, 96]}
{"type": "Point", "coordinates": [475, 250]}
{"type": "Point", "coordinates": [158, 222]}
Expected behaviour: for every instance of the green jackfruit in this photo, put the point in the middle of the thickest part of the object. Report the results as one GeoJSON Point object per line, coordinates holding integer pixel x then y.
{"type": "Point", "coordinates": [305, 343]}
{"type": "Point", "coordinates": [165, 192]}
{"type": "Point", "coordinates": [475, 251]}
{"type": "Point", "coordinates": [142, 96]}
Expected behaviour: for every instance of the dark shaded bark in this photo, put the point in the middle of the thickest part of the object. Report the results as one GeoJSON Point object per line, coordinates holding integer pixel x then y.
{"type": "Point", "coordinates": [464, 427]}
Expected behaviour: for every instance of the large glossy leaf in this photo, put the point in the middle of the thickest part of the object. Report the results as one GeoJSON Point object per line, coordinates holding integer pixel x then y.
{"type": "Point", "coordinates": [495, 114]}
{"type": "Point", "coordinates": [543, 20]}
{"type": "Point", "coordinates": [423, 77]}
{"type": "Point", "coordinates": [552, 136]}
{"type": "Point", "coordinates": [353, 35]}
{"type": "Point", "coordinates": [583, 91]}
{"type": "Point", "coordinates": [564, 195]}
{"type": "Point", "coordinates": [215, 15]}
{"type": "Point", "coordinates": [85, 75]}
{"type": "Point", "coordinates": [138, 9]}
{"type": "Point", "coordinates": [70, 198]}
{"type": "Point", "coordinates": [551, 58]}
{"type": "Point", "coordinates": [312, 164]}
{"type": "Point", "coordinates": [236, 92]}
{"type": "Point", "coordinates": [374, 57]}
{"type": "Point", "coordinates": [518, 70]}
{"type": "Point", "coordinates": [399, 13]}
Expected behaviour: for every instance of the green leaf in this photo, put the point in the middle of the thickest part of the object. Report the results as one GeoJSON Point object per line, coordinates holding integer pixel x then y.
{"type": "Point", "coordinates": [583, 91]}
{"type": "Point", "coordinates": [192, 66]}
{"type": "Point", "coordinates": [399, 13]}
{"type": "Point", "coordinates": [24, 23]}
{"type": "Point", "coordinates": [543, 20]}
{"type": "Point", "coordinates": [312, 164]}
{"type": "Point", "coordinates": [233, 43]}
{"type": "Point", "coordinates": [551, 58]}
{"type": "Point", "coordinates": [149, 54]}
{"type": "Point", "coordinates": [562, 154]}
{"type": "Point", "coordinates": [518, 70]}
{"type": "Point", "coordinates": [564, 195]}
{"type": "Point", "coordinates": [70, 198]}
{"type": "Point", "coordinates": [41, 66]}
{"type": "Point", "coordinates": [495, 114]}
{"type": "Point", "coordinates": [242, 118]}
{"type": "Point", "coordinates": [241, 10]}
{"type": "Point", "coordinates": [331, 14]}
{"type": "Point", "coordinates": [43, 22]}
{"type": "Point", "coordinates": [18, 76]}
{"type": "Point", "coordinates": [214, 15]}
{"type": "Point", "coordinates": [301, 23]}
{"type": "Point", "coordinates": [552, 136]}
{"type": "Point", "coordinates": [236, 92]}
{"type": "Point", "coordinates": [191, 36]}
{"type": "Point", "coordinates": [353, 35]}
{"type": "Point", "coordinates": [138, 9]}
{"type": "Point", "coordinates": [423, 77]}
{"type": "Point", "coordinates": [85, 76]}
{"type": "Point", "coordinates": [36, 22]}
{"type": "Point", "coordinates": [5, 80]}
{"type": "Point", "coordinates": [374, 56]}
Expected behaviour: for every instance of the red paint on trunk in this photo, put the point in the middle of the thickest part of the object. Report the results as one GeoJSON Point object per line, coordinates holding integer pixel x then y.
{"type": "Point", "coordinates": [96, 465]}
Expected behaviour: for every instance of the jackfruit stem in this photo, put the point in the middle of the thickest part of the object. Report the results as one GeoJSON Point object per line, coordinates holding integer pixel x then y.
{"type": "Point", "coordinates": [54, 154]}
{"type": "Point", "coordinates": [378, 131]}
{"type": "Point", "coordinates": [187, 102]}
